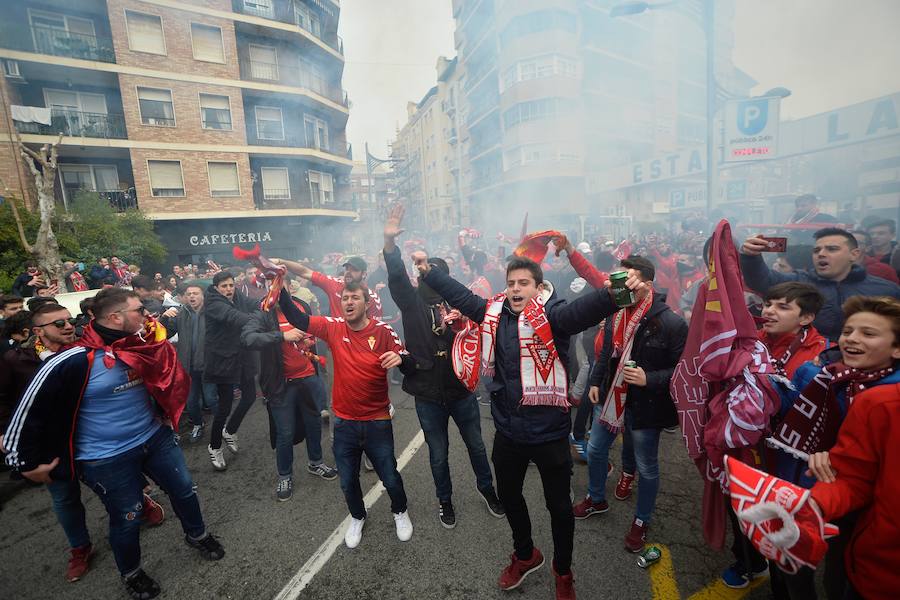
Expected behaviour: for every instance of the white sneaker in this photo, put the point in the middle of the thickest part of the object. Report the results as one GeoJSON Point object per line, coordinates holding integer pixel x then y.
{"type": "Point", "coordinates": [354, 532]}
{"type": "Point", "coordinates": [217, 456]}
{"type": "Point", "coordinates": [404, 526]}
{"type": "Point", "coordinates": [230, 440]}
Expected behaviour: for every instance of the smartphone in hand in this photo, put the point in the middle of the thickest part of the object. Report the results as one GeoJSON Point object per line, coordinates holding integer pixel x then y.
{"type": "Point", "coordinates": [775, 244]}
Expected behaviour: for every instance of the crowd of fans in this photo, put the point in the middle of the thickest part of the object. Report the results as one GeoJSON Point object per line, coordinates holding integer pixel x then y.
{"type": "Point", "coordinates": [564, 368]}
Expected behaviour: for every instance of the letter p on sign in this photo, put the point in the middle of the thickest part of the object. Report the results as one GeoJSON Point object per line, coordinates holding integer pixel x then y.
{"type": "Point", "coordinates": [752, 116]}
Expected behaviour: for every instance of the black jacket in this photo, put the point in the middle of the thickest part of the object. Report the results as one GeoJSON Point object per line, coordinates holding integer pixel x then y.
{"type": "Point", "coordinates": [433, 378]}
{"type": "Point", "coordinates": [190, 350]}
{"type": "Point", "coordinates": [17, 369]}
{"type": "Point", "coordinates": [658, 344]}
{"type": "Point", "coordinates": [225, 360]}
{"type": "Point", "coordinates": [525, 424]}
{"type": "Point", "coordinates": [21, 288]}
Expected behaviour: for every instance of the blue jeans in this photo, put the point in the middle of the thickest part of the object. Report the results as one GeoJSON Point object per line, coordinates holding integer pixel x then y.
{"type": "Point", "coordinates": [119, 482]}
{"type": "Point", "coordinates": [434, 418]}
{"type": "Point", "coordinates": [296, 396]}
{"type": "Point", "coordinates": [70, 511]}
{"type": "Point", "coordinates": [316, 386]}
{"type": "Point", "coordinates": [376, 439]}
{"type": "Point", "coordinates": [646, 454]}
{"type": "Point", "coordinates": [199, 393]}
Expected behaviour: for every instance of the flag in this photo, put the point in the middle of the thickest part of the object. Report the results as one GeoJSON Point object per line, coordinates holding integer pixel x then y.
{"type": "Point", "coordinates": [720, 385]}
{"type": "Point", "coordinates": [623, 250]}
{"type": "Point", "coordinates": [524, 231]}
{"type": "Point", "coordinates": [534, 245]}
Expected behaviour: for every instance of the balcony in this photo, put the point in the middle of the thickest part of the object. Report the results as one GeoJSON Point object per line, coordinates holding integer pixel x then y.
{"type": "Point", "coordinates": [286, 12]}
{"type": "Point", "coordinates": [78, 124]}
{"type": "Point", "coordinates": [121, 201]}
{"type": "Point", "coordinates": [290, 140]}
{"type": "Point", "coordinates": [255, 70]}
{"type": "Point", "coordinates": [58, 42]}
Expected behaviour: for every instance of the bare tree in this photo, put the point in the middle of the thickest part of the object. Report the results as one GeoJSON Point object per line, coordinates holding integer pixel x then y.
{"type": "Point", "coordinates": [45, 249]}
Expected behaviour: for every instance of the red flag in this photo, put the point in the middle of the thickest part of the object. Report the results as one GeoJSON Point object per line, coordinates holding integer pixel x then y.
{"type": "Point", "coordinates": [721, 386]}
{"type": "Point", "coordinates": [266, 268]}
{"type": "Point", "coordinates": [623, 250]}
{"type": "Point", "coordinates": [534, 245]}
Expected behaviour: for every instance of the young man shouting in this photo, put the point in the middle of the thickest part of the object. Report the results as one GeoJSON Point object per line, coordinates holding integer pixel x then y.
{"type": "Point", "coordinates": [363, 350]}
{"type": "Point", "coordinates": [522, 340]}
{"type": "Point", "coordinates": [788, 312]}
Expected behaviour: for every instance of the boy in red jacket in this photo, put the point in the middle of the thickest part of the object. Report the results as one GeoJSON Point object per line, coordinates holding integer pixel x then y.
{"type": "Point", "coordinates": [788, 312]}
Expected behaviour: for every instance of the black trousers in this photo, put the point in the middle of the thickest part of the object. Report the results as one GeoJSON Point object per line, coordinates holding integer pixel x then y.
{"type": "Point", "coordinates": [226, 398]}
{"type": "Point", "coordinates": [554, 463]}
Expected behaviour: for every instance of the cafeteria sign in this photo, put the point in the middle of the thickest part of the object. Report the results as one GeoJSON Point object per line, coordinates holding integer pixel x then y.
{"type": "Point", "coordinates": [751, 129]}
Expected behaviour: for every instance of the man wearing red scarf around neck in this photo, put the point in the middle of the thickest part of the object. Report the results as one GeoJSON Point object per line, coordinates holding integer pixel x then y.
{"type": "Point", "coordinates": [788, 312]}
{"type": "Point", "coordinates": [101, 411]}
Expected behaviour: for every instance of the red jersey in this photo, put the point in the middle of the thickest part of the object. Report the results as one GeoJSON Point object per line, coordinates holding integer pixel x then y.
{"type": "Point", "coordinates": [295, 361]}
{"type": "Point", "coordinates": [808, 350]}
{"type": "Point", "coordinates": [334, 287]}
{"type": "Point", "coordinates": [360, 391]}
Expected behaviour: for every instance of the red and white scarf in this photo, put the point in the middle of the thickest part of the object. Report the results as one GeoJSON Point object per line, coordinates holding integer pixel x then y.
{"type": "Point", "coordinates": [624, 328]}
{"type": "Point", "coordinates": [543, 376]}
{"type": "Point", "coordinates": [78, 282]}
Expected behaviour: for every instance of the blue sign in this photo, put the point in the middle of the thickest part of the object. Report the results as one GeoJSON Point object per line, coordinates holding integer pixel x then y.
{"type": "Point", "coordinates": [753, 115]}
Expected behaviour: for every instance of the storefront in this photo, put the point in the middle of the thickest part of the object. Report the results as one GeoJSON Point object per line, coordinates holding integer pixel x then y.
{"type": "Point", "coordinates": [194, 240]}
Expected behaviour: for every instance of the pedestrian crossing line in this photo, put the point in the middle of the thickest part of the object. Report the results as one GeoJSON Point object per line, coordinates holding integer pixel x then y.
{"type": "Point", "coordinates": [664, 585]}
{"type": "Point", "coordinates": [323, 554]}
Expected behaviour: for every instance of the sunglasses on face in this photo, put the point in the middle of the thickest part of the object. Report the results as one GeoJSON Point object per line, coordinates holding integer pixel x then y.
{"type": "Point", "coordinates": [140, 309]}
{"type": "Point", "coordinates": [60, 323]}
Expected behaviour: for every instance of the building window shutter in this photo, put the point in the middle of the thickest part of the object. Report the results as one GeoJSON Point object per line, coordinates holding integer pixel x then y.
{"type": "Point", "coordinates": [156, 107]}
{"type": "Point", "coordinates": [207, 41]}
{"type": "Point", "coordinates": [145, 32]}
{"type": "Point", "coordinates": [166, 178]}
{"type": "Point", "coordinates": [223, 179]}
{"type": "Point", "coordinates": [215, 111]}
{"type": "Point", "coordinates": [275, 184]}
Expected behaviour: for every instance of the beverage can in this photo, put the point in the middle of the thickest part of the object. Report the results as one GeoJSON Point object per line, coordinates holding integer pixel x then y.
{"type": "Point", "coordinates": [648, 556]}
{"type": "Point", "coordinates": [630, 364]}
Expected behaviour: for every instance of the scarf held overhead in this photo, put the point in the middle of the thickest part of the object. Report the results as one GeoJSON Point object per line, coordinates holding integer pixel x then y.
{"type": "Point", "coordinates": [153, 358]}
{"type": "Point", "coordinates": [268, 269]}
{"type": "Point", "coordinates": [543, 376]}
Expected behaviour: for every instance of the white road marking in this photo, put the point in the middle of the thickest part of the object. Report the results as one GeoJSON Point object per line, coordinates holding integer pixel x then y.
{"type": "Point", "coordinates": [323, 554]}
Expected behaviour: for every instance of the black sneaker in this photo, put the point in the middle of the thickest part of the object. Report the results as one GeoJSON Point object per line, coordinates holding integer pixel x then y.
{"type": "Point", "coordinates": [323, 471]}
{"type": "Point", "coordinates": [209, 547]}
{"type": "Point", "coordinates": [447, 515]}
{"type": "Point", "coordinates": [141, 586]}
{"type": "Point", "coordinates": [285, 489]}
{"type": "Point", "coordinates": [493, 503]}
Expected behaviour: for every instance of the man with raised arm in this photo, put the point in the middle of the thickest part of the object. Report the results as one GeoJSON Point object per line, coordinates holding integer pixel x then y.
{"type": "Point", "coordinates": [363, 350]}
{"type": "Point", "coordinates": [522, 340]}
{"type": "Point", "coordinates": [355, 271]}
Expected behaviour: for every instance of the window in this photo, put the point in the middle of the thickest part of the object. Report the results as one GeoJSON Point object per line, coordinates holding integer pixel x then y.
{"type": "Point", "coordinates": [316, 77]}
{"type": "Point", "coordinates": [260, 8]}
{"type": "Point", "coordinates": [207, 43]}
{"type": "Point", "coordinates": [93, 178]}
{"type": "Point", "coordinates": [275, 184]}
{"type": "Point", "coordinates": [165, 178]}
{"type": "Point", "coordinates": [307, 19]}
{"type": "Point", "coordinates": [549, 65]}
{"type": "Point", "coordinates": [537, 109]}
{"type": "Point", "coordinates": [69, 101]}
{"type": "Point", "coordinates": [316, 133]}
{"type": "Point", "coordinates": [145, 32]}
{"type": "Point", "coordinates": [321, 188]}
{"type": "Point", "coordinates": [223, 179]}
{"type": "Point", "coordinates": [156, 107]}
{"type": "Point", "coordinates": [215, 112]}
{"type": "Point", "coordinates": [263, 62]}
{"type": "Point", "coordinates": [269, 125]}
{"type": "Point", "coordinates": [44, 22]}
{"type": "Point", "coordinates": [535, 22]}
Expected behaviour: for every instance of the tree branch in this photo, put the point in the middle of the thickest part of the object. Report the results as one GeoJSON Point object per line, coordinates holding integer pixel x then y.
{"type": "Point", "coordinates": [20, 227]}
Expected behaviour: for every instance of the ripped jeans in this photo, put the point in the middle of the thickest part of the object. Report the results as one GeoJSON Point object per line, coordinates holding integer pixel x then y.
{"type": "Point", "coordinates": [119, 481]}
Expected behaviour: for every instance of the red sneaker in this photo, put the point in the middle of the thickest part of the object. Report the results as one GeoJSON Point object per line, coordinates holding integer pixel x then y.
{"type": "Point", "coordinates": [565, 586]}
{"type": "Point", "coordinates": [637, 536]}
{"type": "Point", "coordinates": [153, 513]}
{"type": "Point", "coordinates": [513, 575]}
{"type": "Point", "coordinates": [624, 486]}
{"type": "Point", "coordinates": [79, 563]}
{"type": "Point", "coordinates": [588, 507]}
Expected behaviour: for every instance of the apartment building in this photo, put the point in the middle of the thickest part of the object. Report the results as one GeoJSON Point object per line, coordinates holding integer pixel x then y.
{"type": "Point", "coordinates": [557, 90]}
{"type": "Point", "coordinates": [222, 120]}
{"type": "Point", "coordinates": [427, 156]}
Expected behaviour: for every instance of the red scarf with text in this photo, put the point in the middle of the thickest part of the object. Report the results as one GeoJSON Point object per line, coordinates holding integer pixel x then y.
{"type": "Point", "coordinates": [544, 379]}
{"type": "Point", "coordinates": [78, 282]}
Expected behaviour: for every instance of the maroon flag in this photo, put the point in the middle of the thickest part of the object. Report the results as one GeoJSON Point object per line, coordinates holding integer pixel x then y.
{"type": "Point", "coordinates": [720, 386]}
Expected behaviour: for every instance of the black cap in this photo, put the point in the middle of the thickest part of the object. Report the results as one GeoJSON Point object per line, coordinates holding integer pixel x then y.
{"type": "Point", "coordinates": [356, 262]}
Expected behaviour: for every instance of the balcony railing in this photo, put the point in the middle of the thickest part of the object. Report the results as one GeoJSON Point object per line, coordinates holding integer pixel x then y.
{"type": "Point", "coordinates": [291, 140]}
{"type": "Point", "coordinates": [119, 200]}
{"type": "Point", "coordinates": [58, 42]}
{"type": "Point", "coordinates": [286, 13]}
{"type": "Point", "coordinates": [257, 70]}
{"type": "Point", "coordinates": [78, 124]}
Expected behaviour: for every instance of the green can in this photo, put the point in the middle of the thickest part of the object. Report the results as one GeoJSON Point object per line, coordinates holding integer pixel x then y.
{"type": "Point", "coordinates": [622, 296]}
{"type": "Point", "coordinates": [648, 556]}
{"type": "Point", "coordinates": [630, 364]}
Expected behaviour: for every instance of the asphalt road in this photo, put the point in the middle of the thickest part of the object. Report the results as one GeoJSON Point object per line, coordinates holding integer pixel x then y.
{"type": "Point", "coordinates": [267, 542]}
